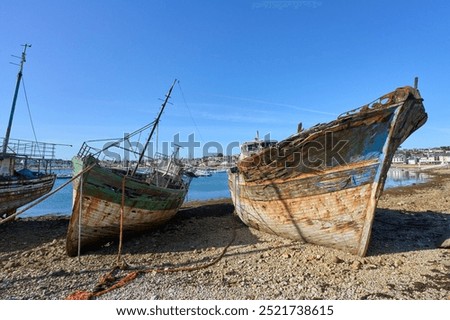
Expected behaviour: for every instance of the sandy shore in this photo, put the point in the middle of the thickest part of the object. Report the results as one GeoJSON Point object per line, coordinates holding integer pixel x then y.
{"type": "Point", "coordinates": [403, 260]}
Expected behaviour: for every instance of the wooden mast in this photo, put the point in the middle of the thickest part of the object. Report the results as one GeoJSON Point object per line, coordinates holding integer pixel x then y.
{"type": "Point", "coordinates": [13, 107]}
{"type": "Point", "coordinates": [141, 156]}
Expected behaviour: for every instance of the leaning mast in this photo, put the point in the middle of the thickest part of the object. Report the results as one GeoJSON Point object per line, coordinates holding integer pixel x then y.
{"type": "Point", "coordinates": [141, 156]}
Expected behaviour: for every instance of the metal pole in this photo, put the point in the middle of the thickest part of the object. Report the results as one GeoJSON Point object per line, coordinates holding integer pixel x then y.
{"type": "Point", "coordinates": [153, 129]}
{"type": "Point", "coordinates": [13, 107]}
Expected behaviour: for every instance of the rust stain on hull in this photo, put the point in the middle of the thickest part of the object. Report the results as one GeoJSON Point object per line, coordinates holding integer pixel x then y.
{"type": "Point", "coordinates": [101, 222]}
{"type": "Point", "coordinates": [98, 220]}
{"type": "Point", "coordinates": [334, 219]}
{"type": "Point", "coordinates": [322, 185]}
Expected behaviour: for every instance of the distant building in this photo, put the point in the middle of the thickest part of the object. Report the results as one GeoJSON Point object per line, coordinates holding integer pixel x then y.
{"type": "Point", "coordinates": [425, 156]}
{"type": "Point", "coordinates": [444, 157]}
{"type": "Point", "coordinates": [399, 159]}
{"type": "Point", "coordinates": [412, 160]}
{"type": "Point", "coordinates": [429, 158]}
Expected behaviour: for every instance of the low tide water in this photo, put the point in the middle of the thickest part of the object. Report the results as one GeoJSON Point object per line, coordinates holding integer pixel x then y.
{"type": "Point", "coordinates": [203, 188]}
{"type": "Point", "coordinates": [398, 177]}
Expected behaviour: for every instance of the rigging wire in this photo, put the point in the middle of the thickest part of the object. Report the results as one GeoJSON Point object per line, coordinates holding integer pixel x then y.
{"type": "Point", "coordinates": [190, 113]}
{"type": "Point", "coordinates": [29, 114]}
{"type": "Point", "coordinates": [136, 149]}
{"type": "Point", "coordinates": [157, 138]}
{"type": "Point", "coordinates": [120, 140]}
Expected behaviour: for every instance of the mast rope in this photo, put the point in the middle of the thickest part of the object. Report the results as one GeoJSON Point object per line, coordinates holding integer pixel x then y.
{"type": "Point", "coordinates": [120, 140]}
{"type": "Point", "coordinates": [156, 122]}
{"type": "Point", "coordinates": [80, 217]}
{"type": "Point", "coordinates": [136, 149]}
{"type": "Point", "coordinates": [29, 114]}
{"type": "Point", "coordinates": [157, 138]}
{"type": "Point", "coordinates": [189, 110]}
{"type": "Point", "coordinates": [122, 209]}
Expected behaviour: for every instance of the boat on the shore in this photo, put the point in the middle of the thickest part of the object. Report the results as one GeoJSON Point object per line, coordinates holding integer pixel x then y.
{"type": "Point", "coordinates": [109, 200]}
{"type": "Point", "coordinates": [24, 171]}
{"type": "Point", "coordinates": [322, 185]}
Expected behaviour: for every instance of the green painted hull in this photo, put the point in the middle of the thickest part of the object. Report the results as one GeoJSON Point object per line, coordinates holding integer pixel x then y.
{"type": "Point", "coordinates": [96, 217]}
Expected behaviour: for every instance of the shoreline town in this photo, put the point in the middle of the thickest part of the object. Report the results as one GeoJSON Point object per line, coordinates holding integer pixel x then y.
{"type": "Point", "coordinates": [403, 261]}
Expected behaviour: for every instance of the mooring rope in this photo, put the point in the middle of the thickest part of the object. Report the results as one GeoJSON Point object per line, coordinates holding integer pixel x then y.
{"type": "Point", "coordinates": [110, 280]}
{"type": "Point", "coordinates": [122, 208]}
{"type": "Point", "coordinates": [80, 216]}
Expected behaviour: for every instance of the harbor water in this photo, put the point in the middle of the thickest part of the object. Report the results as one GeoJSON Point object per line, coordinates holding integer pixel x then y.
{"type": "Point", "coordinates": [202, 188]}
{"type": "Point", "coordinates": [398, 177]}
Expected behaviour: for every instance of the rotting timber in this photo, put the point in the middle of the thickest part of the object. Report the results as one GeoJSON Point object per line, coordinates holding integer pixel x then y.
{"type": "Point", "coordinates": [322, 185]}
{"type": "Point", "coordinates": [109, 201]}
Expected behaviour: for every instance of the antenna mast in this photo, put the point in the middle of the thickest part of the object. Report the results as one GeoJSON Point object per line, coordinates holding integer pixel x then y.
{"type": "Point", "coordinates": [141, 156]}
{"type": "Point", "coordinates": [13, 107]}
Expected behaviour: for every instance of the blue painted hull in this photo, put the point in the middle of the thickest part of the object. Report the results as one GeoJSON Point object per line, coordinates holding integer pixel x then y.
{"type": "Point", "coordinates": [322, 185]}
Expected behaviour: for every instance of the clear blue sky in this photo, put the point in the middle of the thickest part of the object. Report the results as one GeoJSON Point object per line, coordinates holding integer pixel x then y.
{"type": "Point", "coordinates": [96, 69]}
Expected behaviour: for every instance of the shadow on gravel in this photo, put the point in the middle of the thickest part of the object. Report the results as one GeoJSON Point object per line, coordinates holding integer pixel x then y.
{"type": "Point", "coordinates": [396, 231]}
{"type": "Point", "coordinates": [212, 225]}
{"type": "Point", "coordinates": [193, 228]}
{"type": "Point", "coordinates": [26, 234]}
{"type": "Point", "coordinates": [199, 226]}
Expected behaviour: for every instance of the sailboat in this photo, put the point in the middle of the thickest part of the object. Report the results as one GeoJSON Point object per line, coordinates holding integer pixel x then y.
{"type": "Point", "coordinates": [24, 164]}
{"type": "Point", "coordinates": [110, 200]}
{"type": "Point", "coordinates": [321, 185]}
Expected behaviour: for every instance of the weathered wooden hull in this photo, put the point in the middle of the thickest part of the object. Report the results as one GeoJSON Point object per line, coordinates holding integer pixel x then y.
{"type": "Point", "coordinates": [322, 185]}
{"type": "Point", "coordinates": [15, 192]}
{"type": "Point", "coordinates": [96, 217]}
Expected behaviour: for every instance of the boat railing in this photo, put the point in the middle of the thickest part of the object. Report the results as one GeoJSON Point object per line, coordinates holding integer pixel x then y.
{"type": "Point", "coordinates": [376, 104]}
{"type": "Point", "coordinates": [31, 149]}
{"type": "Point", "coordinates": [111, 150]}
{"type": "Point", "coordinates": [85, 150]}
{"type": "Point", "coordinates": [160, 156]}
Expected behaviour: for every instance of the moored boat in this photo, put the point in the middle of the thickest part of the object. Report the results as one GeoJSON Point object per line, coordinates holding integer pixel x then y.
{"type": "Point", "coordinates": [322, 185]}
{"type": "Point", "coordinates": [111, 199]}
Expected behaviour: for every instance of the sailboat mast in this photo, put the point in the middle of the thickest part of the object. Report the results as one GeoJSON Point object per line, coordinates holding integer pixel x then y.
{"type": "Point", "coordinates": [13, 107]}
{"type": "Point", "coordinates": [141, 156]}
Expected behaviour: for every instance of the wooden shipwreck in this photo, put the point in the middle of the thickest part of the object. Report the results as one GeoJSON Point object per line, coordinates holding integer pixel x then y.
{"type": "Point", "coordinates": [24, 165]}
{"type": "Point", "coordinates": [110, 200]}
{"type": "Point", "coordinates": [322, 185]}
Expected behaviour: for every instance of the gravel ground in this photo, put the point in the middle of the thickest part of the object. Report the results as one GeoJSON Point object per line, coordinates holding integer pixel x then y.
{"type": "Point", "coordinates": [403, 261]}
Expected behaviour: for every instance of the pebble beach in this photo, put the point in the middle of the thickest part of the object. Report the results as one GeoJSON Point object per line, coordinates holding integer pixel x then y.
{"type": "Point", "coordinates": [218, 257]}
